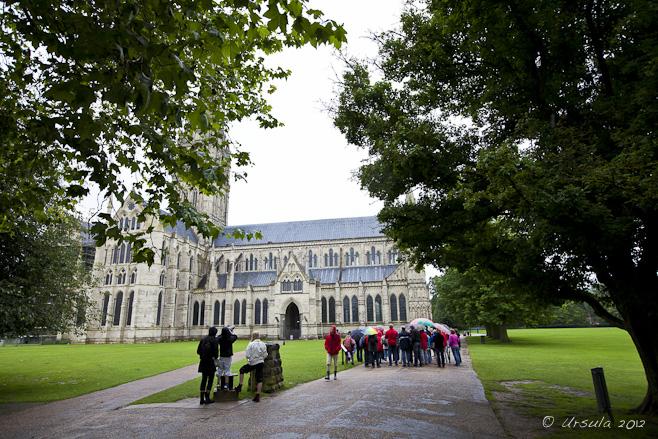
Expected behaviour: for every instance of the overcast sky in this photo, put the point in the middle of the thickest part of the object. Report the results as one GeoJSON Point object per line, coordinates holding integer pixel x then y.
{"type": "Point", "coordinates": [303, 171]}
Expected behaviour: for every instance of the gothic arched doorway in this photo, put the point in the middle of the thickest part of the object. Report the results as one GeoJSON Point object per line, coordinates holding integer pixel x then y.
{"type": "Point", "coordinates": [292, 323]}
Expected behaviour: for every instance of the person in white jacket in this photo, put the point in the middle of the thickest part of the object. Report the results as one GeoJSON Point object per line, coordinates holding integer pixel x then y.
{"type": "Point", "coordinates": [256, 353]}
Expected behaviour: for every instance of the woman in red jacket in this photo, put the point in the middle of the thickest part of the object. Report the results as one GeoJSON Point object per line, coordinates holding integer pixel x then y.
{"type": "Point", "coordinates": [332, 345]}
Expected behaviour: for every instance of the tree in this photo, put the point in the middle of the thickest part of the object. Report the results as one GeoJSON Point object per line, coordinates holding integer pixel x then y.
{"type": "Point", "coordinates": [479, 297]}
{"type": "Point", "coordinates": [43, 280]}
{"type": "Point", "coordinates": [536, 116]}
{"type": "Point", "coordinates": [92, 89]}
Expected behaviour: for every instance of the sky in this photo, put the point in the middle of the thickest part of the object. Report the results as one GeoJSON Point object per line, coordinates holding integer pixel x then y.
{"type": "Point", "coordinates": [303, 171]}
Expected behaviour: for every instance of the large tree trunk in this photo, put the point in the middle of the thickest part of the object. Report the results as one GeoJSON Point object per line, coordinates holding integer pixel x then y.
{"type": "Point", "coordinates": [633, 293]}
{"type": "Point", "coordinates": [502, 332]}
{"type": "Point", "coordinates": [641, 323]}
{"type": "Point", "coordinates": [493, 331]}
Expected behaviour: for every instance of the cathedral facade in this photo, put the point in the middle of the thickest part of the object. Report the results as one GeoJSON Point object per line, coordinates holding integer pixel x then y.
{"type": "Point", "coordinates": [295, 283]}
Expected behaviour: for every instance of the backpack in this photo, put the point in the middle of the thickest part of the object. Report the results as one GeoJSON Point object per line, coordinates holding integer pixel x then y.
{"type": "Point", "coordinates": [205, 350]}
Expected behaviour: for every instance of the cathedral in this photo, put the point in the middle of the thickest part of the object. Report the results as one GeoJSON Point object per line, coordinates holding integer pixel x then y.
{"type": "Point", "coordinates": [295, 283]}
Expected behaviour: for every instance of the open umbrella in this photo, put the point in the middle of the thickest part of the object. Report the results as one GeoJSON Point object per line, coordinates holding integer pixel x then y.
{"type": "Point", "coordinates": [370, 331]}
{"type": "Point", "coordinates": [423, 322]}
{"type": "Point", "coordinates": [442, 328]}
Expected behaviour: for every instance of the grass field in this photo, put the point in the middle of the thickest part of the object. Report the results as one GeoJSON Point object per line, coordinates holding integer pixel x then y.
{"type": "Point", "coordinates": [302, 361]}
{"type": "Point", "coordinates": [557, 364]}
{"type": "Point", "coordinates": [31, 373]}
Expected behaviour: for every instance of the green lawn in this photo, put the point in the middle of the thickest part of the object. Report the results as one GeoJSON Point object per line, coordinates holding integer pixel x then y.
{"type": "Point", "coordinates": [302, 361]}
{"type": "Point", "coordinates": [31, 373]}
{"type": "Point", "coordinates": [565, 357]}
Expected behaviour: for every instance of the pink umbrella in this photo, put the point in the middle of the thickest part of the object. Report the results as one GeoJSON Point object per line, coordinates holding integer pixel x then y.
{"type": "Point", "coordinates": [442, 328]}
{"type": "Point", "coordinates": [423, 321]}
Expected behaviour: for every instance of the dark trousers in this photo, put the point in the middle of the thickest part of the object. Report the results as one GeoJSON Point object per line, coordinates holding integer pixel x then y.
{"type": "Point", "coordinates": [206, 381]}
{"type": "Point", "coordinates": [440, 358]}
{"type": "Point", "coordinates": [359, 354]}
{"type": "Point", "coordinates": [417, 360]}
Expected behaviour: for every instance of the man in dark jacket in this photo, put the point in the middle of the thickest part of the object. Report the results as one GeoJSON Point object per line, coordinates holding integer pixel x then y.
{"type": "Point", "coordinates": [415, 344]}
{"type": "Point", "coordinates": [208, 351]}
{"type": "Point", "coordinates": [404, 341]}
{"type": "Point", "coordinates": [356, 336]}
{"type": "Point", "coordinates": [226, 341]}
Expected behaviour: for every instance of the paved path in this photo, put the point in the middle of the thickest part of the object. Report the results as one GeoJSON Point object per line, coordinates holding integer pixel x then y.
{"type": "Point", "coordinates": [389, 402]}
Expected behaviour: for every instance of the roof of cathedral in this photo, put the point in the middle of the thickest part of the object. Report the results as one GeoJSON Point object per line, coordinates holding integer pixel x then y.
{"type": "Point", "coordinates": [324, 275]}
{"type": "Point", "coordinates": [300, 231]}
{"type": "Point", "coordinates": [182, 231]}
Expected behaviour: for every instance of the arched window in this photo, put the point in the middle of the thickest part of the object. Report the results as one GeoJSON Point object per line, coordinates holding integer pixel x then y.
{"type": "Point", "coordinates": [346, 310]}
{"type": "Point", "coordinates": [162, 279]}
{"type": "Point", "coordinates": [178, 260]}
{"type": "Point", "coordinates": [297, 285]}
{"type": "Point", "coordinates": [378, 308]}
{"type": "Point", "coordinates": [129, 254]}
{"type": "Point", "coordinates": [202, 317]}
{"type": "Point", "coordinates": [347, 259]}
{"type": "Point", "coordinates": [336, 259]}
{"type": "Point", "coordinates": [257, 312]}
{"type": "Point", "coordinates": [129, 316]}
{"type": "Point", "coordinates": [215, 313]}
{"type": "Point", "coordinates": [223, 312]}
{"type": "Point", "coordinates": [244, 312]}
{"type": "Point", "coordinates": [236, 312]}
{"type": "Point", "coordinates": [331, 258]}
{"type": "Point", "coordinates": [133, 277]}
{"type": "Point", "coordinates": [379, 258]}
{"type": "Point", "coordinates": [326, 260]}
{"type": "Point", "coordinates": [351, 256]}
{"type": "Point", "coordinates": [121, 278]}
{"type": "Point", "coordinates": [191, 264]}
{"type": "Point", "coordinates": [315, 260]}
{"type": "Point", "coordinates": [310, 259]}
{"type": "Point", "coordinates": [356, 259]}
{"type": "Point", "coordinates": [355, 309]}
{"type": "Point", "coordinates": [195, 314]}
{"type": "Point", "coordinates": [394, 308]}
{"type": "Point", "coordinates": [367, 258]}
{"type": "Point", "coordinates": [159, 315]}
{"type": "Point", "coordinates": [324, 310]}
{"type": "Point", "coordinates": [370, 315]}
{"type": "Point", "coordinates": [265, 311]}
{"type": "Point", "coordinates": [108, 278]}
{"type": "Point", "coordinates": [403, 308]}
{"type": "Point", "coordinates": [132, 223]}
{"type": "Point", "coordinates": [106, 304]}
{"type": "Point", "coordinates": [117, 309]}
{"type": "Point", "coordinates": [122, 255]}
{"type": "Point", "coordinates": [332, 310]}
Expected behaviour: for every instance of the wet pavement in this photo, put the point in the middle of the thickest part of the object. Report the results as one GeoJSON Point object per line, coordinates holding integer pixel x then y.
{"type": "Point", "coordinates": [388, 402]}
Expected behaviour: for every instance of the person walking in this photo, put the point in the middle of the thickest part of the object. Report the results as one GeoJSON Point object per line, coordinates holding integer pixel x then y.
{"type": "Point", "coordinates": [208, 351]}
{"type": "Point", "coordinates": [349, 345]}
{"type": "Point", "coordinates": [226, 340]}
{"type": "Point", "coordinates": [415, 344]}
{"type": "Point", "coordinates": [439, 347]}
{"type": "Point", "coordinates": [454, 343]}
{"type": "Point", "coordinates": [256, 354]}
{"type": "Point", "coordinates": [404, 341]}
{"type": "Point", "coordinates": [392, 339]}
{"type": "Point", "coordinates": [332, 345]}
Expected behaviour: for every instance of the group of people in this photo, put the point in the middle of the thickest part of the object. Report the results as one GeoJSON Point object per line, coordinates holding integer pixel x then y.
{"type": "Point", "coordinates": [216, 354]}
{"type": "Point", "coordinates": [413, 346]}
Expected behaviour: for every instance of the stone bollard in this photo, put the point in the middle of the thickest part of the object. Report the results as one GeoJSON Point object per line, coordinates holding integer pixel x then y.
{"type": "Point", "coordinates": [272, 370]}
